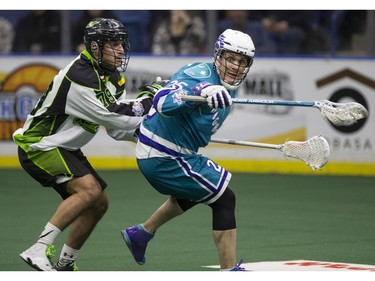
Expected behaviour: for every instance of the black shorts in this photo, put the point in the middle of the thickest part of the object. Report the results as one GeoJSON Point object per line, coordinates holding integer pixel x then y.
{"type": "Point", "coordinates": [56, 167]}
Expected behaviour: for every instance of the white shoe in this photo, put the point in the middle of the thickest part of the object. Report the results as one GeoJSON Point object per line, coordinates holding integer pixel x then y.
{"type": "Point", "coordinates": [37, 258]}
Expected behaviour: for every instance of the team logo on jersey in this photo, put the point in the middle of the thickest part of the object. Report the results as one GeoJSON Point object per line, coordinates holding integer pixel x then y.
{"type": "Point", "coordinates": [121, 81]}
{"type": "Point", "coordinates": [177, 96]}
{"type": "Point", "coordinates": [198, 71]}
{"type": "Point", "coordinates": [138, 108]}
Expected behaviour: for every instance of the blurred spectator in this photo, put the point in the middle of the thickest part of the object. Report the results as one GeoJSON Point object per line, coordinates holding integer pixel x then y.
{"type": "Point", "coordinates": [6, 36]}
{"type": "Point", "coordinates": [349, 23]}
{"type": "Point", "coordinates": [239, 20]}
{"type": "Point", "coordinates": [80, 24]}
{"type": "Point", "coordinates": [318, 39]}
{"type": "Point", "coordinates": [37, 32]}
{"type": "Point", "coordinates": [181, 32]}
{"type": "Point", "coordinates": [137, 23]}
{"type": "Point", "coordinates": [288, 28]}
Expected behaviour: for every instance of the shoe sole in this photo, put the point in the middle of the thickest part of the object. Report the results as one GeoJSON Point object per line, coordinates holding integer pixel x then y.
{"type": "Point", "coordinates": [30, 263]}
{"type": "Point", "coordinates": [129, 245]}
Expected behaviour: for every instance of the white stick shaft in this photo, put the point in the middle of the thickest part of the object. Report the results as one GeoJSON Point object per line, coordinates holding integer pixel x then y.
{"type": "Point", "coordinates": [247, 143]}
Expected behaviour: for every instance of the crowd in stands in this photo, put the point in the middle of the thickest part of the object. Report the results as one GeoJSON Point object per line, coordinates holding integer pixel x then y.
{"type": "Point", "coordinates": [184, 32]}
{"type": "Point", "coordinates": [179, 32]}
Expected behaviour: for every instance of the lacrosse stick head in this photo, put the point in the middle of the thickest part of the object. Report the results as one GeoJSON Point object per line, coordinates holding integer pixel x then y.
{"type": "Point", "coordinates": [342, 114]}
{"type": "Point", "coordinates": [314, 152]}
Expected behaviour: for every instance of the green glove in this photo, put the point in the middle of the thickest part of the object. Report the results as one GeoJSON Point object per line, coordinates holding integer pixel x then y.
{"type": "Point", "coordinates": [151, 89]}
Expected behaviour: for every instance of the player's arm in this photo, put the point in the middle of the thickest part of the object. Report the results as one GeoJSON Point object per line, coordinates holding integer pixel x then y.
{"type": "Point", "coordinates": [145, 91]}
{"type": "Point", "coordinates": [168, 101]}
{"type": "Point", "coordinates": [103, 109]}
{"type": "Point", "coordinates": [131, 107]}
{"type": "Point", "coordinates": [144, 98]}
{"type": "Point", "coordinates": [122, 135]}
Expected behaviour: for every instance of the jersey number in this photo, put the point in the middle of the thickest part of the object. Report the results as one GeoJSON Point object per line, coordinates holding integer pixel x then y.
{"type": "Point", "coordinates": [216, 167]}
{"type": "Point", "coordinates": [105, 97]}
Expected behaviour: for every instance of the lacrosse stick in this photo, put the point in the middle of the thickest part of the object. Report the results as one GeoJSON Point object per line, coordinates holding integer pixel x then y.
{"type": "Point", "coordinates": [339, 114]}
{"type": "Point", "coordinates": [314, 152]}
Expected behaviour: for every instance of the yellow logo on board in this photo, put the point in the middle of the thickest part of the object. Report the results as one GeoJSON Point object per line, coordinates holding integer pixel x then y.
{"type": "Point", "coordinates": [19, 92]}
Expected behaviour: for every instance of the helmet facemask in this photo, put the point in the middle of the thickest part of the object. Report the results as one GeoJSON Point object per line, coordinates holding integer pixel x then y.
{"type": "Point", "coordinates": [107, 41]}
{"type": "Point", "coordinates": [112, 57]}
{"type": "Point", "coordinates": [232, 68]}
{"type": "Point", "coordinates": [233, 56]}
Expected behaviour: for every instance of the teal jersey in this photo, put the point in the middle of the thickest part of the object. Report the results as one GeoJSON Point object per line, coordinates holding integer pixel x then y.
{"type": "Point", "coordinates": [174, 127]}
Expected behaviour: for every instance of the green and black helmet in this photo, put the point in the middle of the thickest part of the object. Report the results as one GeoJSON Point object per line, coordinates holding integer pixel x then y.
{"type": "Point", "coordinates": [101, 30]}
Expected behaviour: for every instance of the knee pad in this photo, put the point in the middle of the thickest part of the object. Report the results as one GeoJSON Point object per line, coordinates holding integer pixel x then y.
{"type": "Point", "coordinates": [223, 211]}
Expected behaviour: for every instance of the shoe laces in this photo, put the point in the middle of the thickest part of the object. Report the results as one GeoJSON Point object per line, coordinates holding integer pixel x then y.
{"type": "Point", "coordinates": [73, 265]}
{"type": "Point", "coordinates": [68, 267]}
{"type": "Point", "coordinates": [238, 266]}
{"type": "Point", "coordinates": [50, 251]}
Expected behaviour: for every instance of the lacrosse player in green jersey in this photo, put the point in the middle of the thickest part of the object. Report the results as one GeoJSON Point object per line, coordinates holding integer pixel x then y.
{"type": "Point", "coordinates": [86, 94]}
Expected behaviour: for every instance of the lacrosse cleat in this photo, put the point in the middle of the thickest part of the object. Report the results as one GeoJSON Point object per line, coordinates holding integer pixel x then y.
{"type": "Point", "coordinates": [68, 267]}
{"type": "Point", "coordinates": [136, 238]}
{"type": "Point", "coordinates": [39, 257]}
{"type": "Point", "coordinates": [238, 267]}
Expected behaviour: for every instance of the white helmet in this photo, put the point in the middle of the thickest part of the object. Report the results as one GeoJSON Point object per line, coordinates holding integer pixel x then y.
{"type": "Point", "coordinates": [236, 42]}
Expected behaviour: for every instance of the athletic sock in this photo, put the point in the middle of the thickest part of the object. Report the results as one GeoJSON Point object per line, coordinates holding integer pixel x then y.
{"type": "Point", "coordinates": [67, 256]}
{"type": "Point", "coordinates": [141, 227]}
{"type": "Point", "coordinates": [49, 234]}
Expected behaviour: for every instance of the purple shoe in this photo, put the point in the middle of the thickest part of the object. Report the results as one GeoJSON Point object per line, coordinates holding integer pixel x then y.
{"type": "Point", "coordinates": [136, 238]}
{"type": "Point", "coordinates": [238, 267]}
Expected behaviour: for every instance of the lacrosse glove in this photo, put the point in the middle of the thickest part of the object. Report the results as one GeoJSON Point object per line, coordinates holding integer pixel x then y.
{"type": "Point", "coordinates": [151, 89]}
{"type": "Point", "coordinates": [217, 96]}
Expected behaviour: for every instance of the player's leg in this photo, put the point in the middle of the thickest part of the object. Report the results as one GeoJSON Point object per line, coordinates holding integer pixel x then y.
{"type": "Point", "coordinates": [225, 241]}
{"type": "Point", "coordinates": [80, 231]}
{"type": "Point", "coordinates": [39, 254]}
{"type": "Point", "coordinates": [192, 179]}
{"type": "Point", "coordinates": [48, 168]}
{"type": "Point", "coordinates": [85, 192]}
{"type": "Point", "coordinates": [83, 226]}
{"type": "Point", "coordinates": [87, 203]}
{"type": "Point", "coordinates": [82, 211]}
{"type": "Point", "coordinates": [138, 236]}
{"type": "Point", "coordinates": [169, 210]}
{"type": "Point", "coordinates": [224, 229]}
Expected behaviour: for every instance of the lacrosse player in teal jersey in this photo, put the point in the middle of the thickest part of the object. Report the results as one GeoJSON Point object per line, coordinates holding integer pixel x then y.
{"type": "Point", "coordinates": [173, 132]}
